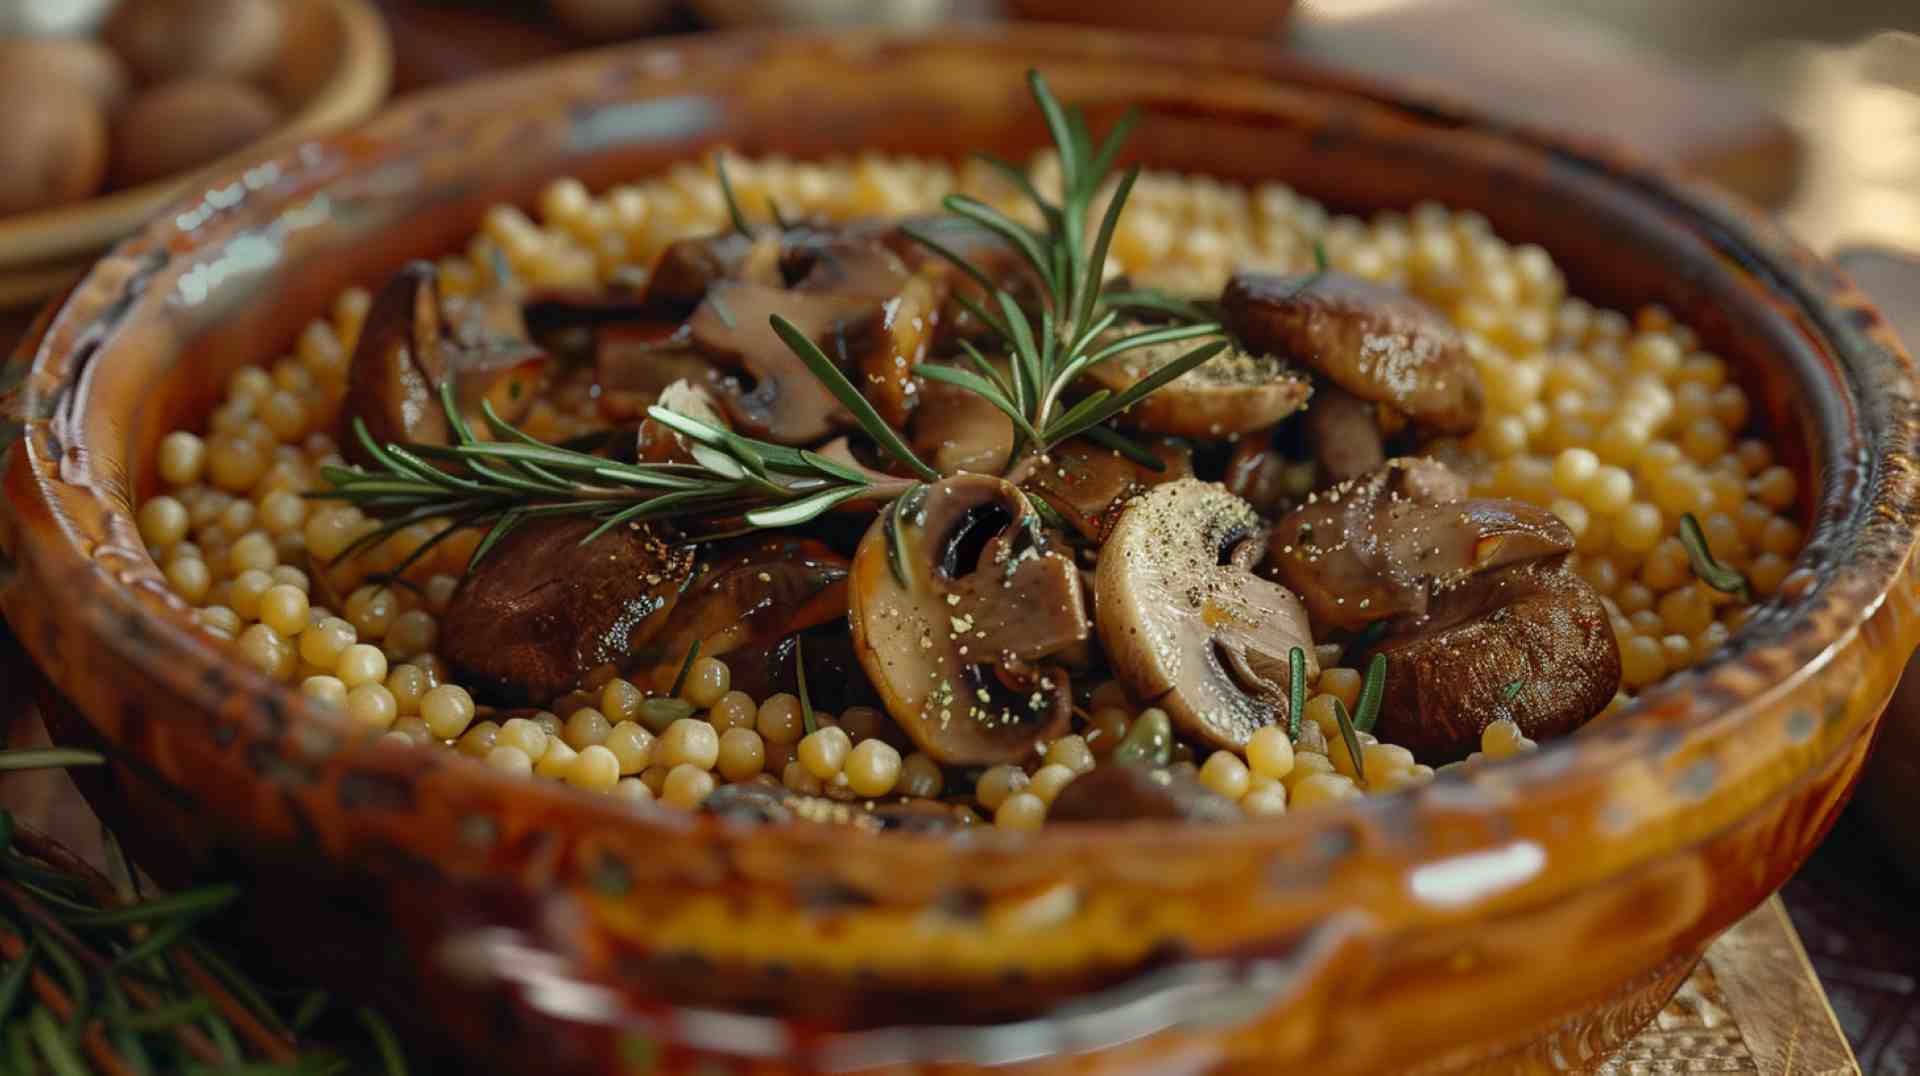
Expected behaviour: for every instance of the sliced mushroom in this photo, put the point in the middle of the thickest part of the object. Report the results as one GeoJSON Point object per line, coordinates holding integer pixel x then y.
{"type": "Point", "coordinates": [1387, 544]}
{"type": "Point", "coordinates": [1136, 793]}
{"type": "Point", "coordinates": [412, 343]}
{"type": "Point", "coordinates": [1257, 472]}
{"type": "Point", "coordinates": [753, 594]}
{"type": "Point", "coordinates": [959, 606]}
{"type": "Point", "coordinates": [841, 304]}
{"type": "Point", "coordinates": [1186, 624]}
{"type": "Point", "coordinates": [955, 430]}
{"type": "Point", "coordinates": [687, 268]}
{"type": "Point", "coordinates": [1087, 484]}
{"type": "Point", "coordinates": [655, 442]}
{"type": "Point", "coordinates": [1343, 432]}
{"type": "Point", "coordinates": [540, 609]}
{"type": "Point", "coordinates": [1236, 391]}
{"type": "Point", "coordinates": [1376, 342]}
{"type": "Point", "coordinates": [1529, 641]}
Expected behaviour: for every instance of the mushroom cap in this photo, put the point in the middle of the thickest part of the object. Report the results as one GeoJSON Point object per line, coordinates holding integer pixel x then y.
{"type": "Point", "coordinates": [753, 593]}
{"type": "Point", "coordinates": [1185, 622]}
{"type": "Point", "coordinates": [1343, 433]}
{"type": "Point", "coordinates": [540, 609]}
{"type": "Point", "coordinates": [1386, 544]}
{"type": "Point", "coordinates": [956, 430]}
{"type": "Point", "coordinates": [1234, 392]}
{"type": "Point", "coordinates": [1376, 342]}
{"type": "Point", "coordinates": [958, 604]}
{"type": "Point", "coordinates": [1088, 484]}
{"type": "Point", "coordinates": [1530, 642]}
{"type": "Point", "coordinates": [393, 379]}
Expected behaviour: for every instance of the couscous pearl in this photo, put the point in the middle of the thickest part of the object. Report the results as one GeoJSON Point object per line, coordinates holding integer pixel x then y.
{"type": "Point", "coordinates": [189, 577]}
{"type": "Point", "coordinates": [779, 719]}
{"type": "Point", "coordinates": [325, 689]}
{"type": "Point", "coordinates": [1071, 752]}
{"type": "Point", "coordinates": [478, 739]}
{"type": "Point", "coordinates": [998, 783]}
{"type": "Point", "coordinates": [1270, 753]}
{"type": "Point", "coordinates": [412, 632]}
{"type": "Point", "coordinates": [521, 733]}
{"type": "Point", "coordinates": [556, 762]}
{"type": "Point", "coordinates": [920, 776]}
{"type": "Point", "coordinates": [1342, 683]}
{"type": "Point", "coordinates": [686, 786]}
{"type": "Point", "coordinates": [690, 741]}
{"type": "Point", "coordinates": [796, 778]}
{"type": "Point", "coordinates": [585, 727]}
{"type": "Point", "coordinates": [1048, 780]}
{"type": "Point", "coordinates": [284, 609]}
{"type": "Point", "coordinates": [824, 752]}
{"type": "Point", "coordinates": [447, 709]}
{"type": "Point", "coordinates": [620, 700]}
{"type": "Point", "coordinates": [1265, 801]}
{"type": "Point", "coordinates": [1225, 774]}
{"type": "Point", "coordinates": [371, 610]}
{"type": "Point", "coordinates": [510, 759]}
{"type": "Point", "coordinates": [409, 686]}
{"type": "Point", "coordinates": [361, 664]}
{"type": "Point", "coordinates": [1020, 811]}
{"type": "Point", "coordinates": [322, 644]}
{"type": "Point", "coordinates": [707, 680]}
{"type": "Point", "coordinates": [860, 722]}
{"type": "Point", "coordinates": [163, 521]}
{"type": "Point", "coordinates": [734, 710]}
{"type": "Point", "coordinates": [631, 745]}
{"type": "Point", "coordinates": [633, 790]}
{"type": "Point", "coordinates": [1323, 788]}
{"type": "Point", "coordinates": [247, 589]}
{"type": "Point", "coordinates": [594, 769]}
{"type": "Point", "coordinates": [873, 767]}
{"type": "Point", "coordinates": [372, 705]}
{"type": "Point", "coordinates": [181, 458]}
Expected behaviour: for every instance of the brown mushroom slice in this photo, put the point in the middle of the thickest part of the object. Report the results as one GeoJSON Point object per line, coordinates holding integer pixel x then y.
{"type": "Point", "coordinates": [1530, 642]}
{"type": "Point", "coordinates": [688, 268]}
{"type": "Point", "coordinates": [413, 342]}
{"type": "Point", "coordinates": [1386, 544]}
{"type": "Point", "coordinates": [1376, 342]}
{"type": "Point", "coordinates": [959, 603]}
{"type": "Point", "coordinates": [1087, 484]}
{"type": "Point", "coordinates": [1139, 793]}
{"type": "Point", "coordinates": [393, 381]}
{"type": "Point", "coordinates": [540, 609]}
{"type": "Point", "coordinates": [956, 430]}
{"type": "Point", "coordinates": [1343, 432]}
{"type": "Point", "coordinates": [753, 594]}
{"type": "Point", "coordinates": [1234, 392]}
{"type": "Point", "coordinates": [1186, 624]}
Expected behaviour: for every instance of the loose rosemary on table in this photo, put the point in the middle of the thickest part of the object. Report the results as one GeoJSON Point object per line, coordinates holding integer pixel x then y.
{"type": "Point", "coordinates": [499, 483]}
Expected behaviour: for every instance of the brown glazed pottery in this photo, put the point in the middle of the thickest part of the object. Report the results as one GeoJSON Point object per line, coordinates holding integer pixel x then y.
{"type": "Point", "coordinates": [1527, 915]}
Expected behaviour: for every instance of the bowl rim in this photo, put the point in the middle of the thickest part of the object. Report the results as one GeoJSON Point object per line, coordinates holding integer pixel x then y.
{"type": "Point", "coordinates": [65, 234]}
{"type": "Point", "coordinates": [1863, 536]}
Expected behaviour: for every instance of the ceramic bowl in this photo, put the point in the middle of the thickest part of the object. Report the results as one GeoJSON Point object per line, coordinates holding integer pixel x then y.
{"type": "Point", "coordinates": [334, 69]}
{"type": "Point", "coordinates": [1527, 915]}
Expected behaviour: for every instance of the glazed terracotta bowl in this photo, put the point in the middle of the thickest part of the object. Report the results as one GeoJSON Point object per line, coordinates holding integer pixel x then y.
{"type": "Point", "coordinates": [1524, 915]}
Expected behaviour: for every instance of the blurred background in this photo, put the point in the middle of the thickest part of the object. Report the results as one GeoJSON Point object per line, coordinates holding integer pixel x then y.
{"type": "Point", "coordinates": [1810, 110]}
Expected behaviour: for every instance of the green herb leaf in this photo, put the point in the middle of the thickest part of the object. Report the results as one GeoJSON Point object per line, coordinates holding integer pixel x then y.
{"type": "Point", "coordinates": [686, 666]}
{"type": "Point", "coordinates": [1351, 737]}
{"type": "Point", "coordinates": [1371, 691]}
{"type": "Point", "coordinates": [807, 721]}
{"type": "Point", "coordinates": [738, 218]}
{"type": "Point", "coordinates": [44, 758]}
{"type": "Point", "coordinates": [1511, 690]}
{"type": "Point", "coordinates": [849, 397]}
{"type": "Point", "coordinates": [1710, 570]}
{"type": "Point", "coordinates": [1296, 691]}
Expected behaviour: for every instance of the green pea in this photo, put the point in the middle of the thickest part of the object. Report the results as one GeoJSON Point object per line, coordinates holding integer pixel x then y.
{"type": "Point", "coordinates": [1149, 742]}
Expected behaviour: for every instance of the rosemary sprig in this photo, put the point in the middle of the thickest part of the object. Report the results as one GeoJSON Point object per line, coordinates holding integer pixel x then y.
{"type": "Point", "coordinates": [1351, 737]}
{"type": "Point", "coordinates": [1296, 691]}
{"type": "Point", "coordinates": [1078, 324]}
{"type": "Point", "coordinates": [1372, 689]}
{"type": "Point", "coordinates": [1719, 576]}
{"type": "Point", "coordinates": [502, 483]}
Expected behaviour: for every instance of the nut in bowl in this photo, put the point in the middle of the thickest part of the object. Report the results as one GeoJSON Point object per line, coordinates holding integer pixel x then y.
{"type": "Point", "coordinates": [102, 131]}
{"type": "Point", "coordinates": [1028, 722]}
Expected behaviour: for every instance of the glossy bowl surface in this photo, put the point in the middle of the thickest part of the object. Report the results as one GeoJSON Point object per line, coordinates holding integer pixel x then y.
{"type": "Point", "coordinates": [336, 67]}
{"type": "Point", "coordinates": [1527, 915]}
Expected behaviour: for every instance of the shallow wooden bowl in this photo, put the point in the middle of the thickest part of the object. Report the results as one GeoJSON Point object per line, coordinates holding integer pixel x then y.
{"type": "Point", "coordinates": [334, 69]}
{"type": "Point", "coordinates": [1527, 915]}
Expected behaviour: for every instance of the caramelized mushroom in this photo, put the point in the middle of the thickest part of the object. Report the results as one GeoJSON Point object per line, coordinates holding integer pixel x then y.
{"type": "Point", "coordinates": [1384, 545]}
{"type": "Point", "coordinates": [1529, 641]}
{"type": "Point", "coordinates": [410, 346]}
{"type": "Point", "coordinates": [1343, 433]}
{"type": "Point", "coordinates": [754, 594]}
{"type": "Point", "coordinates": [1087, 485]}
{"type": "Point", "coordinates": [1234, 392]}
{"type": "Point", "coordinates": [1483, 617]}
{"type": "Point", "coordinates": [958, 603]}
{"type": "Point", "coordinates": [1376, 342]}
{"type": "Point", "coordinates": [541, 609]}
{"type": "Point", "coordinates": [955, 430]}
{"type": "Point", "coordinates": [1133, 793]}
{"type": "Point", "coordinates": [1185, 622]}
